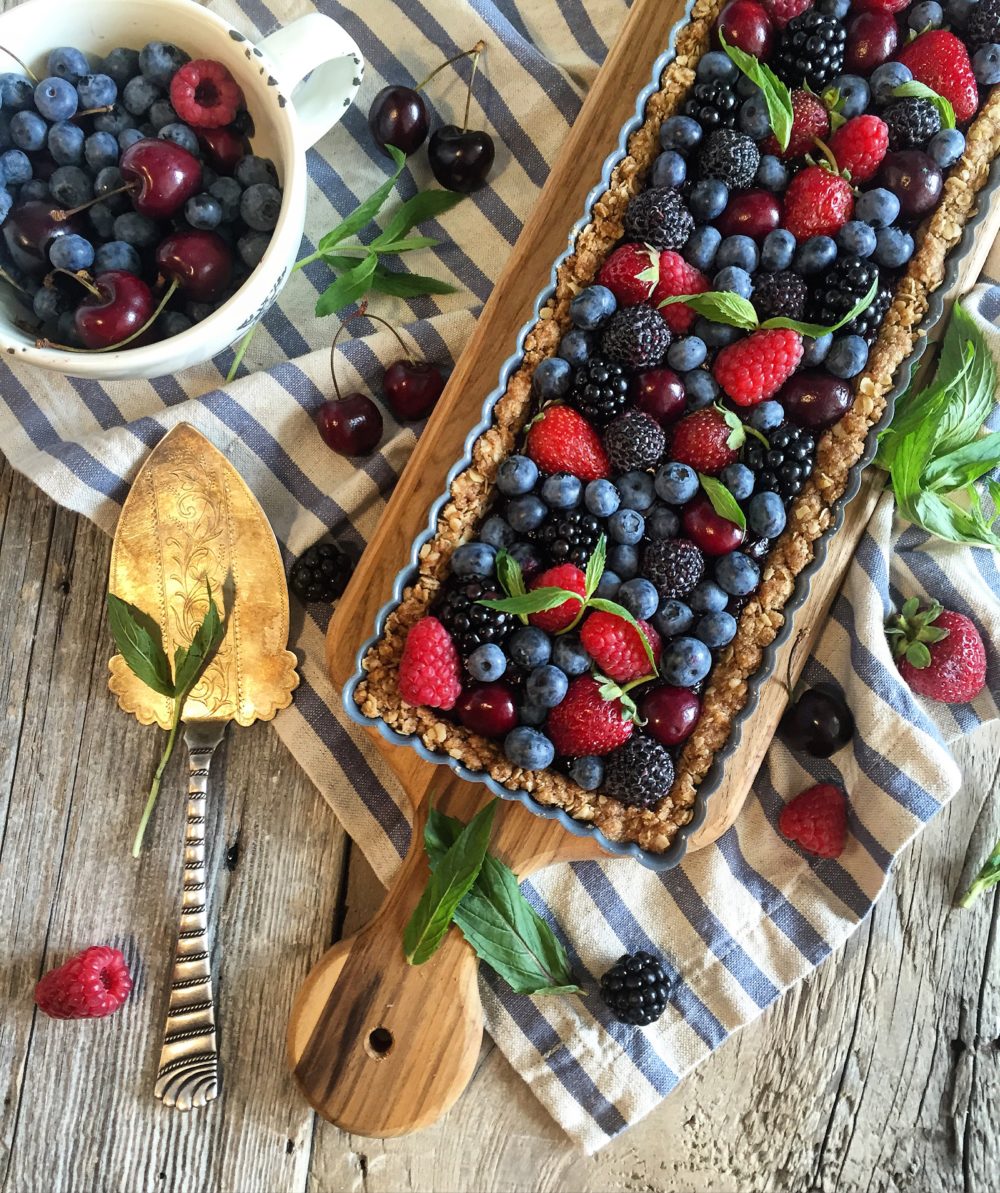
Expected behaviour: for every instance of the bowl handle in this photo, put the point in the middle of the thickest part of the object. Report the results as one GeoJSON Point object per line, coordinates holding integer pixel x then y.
{"type": "Point", "coordinates": [314, 43]}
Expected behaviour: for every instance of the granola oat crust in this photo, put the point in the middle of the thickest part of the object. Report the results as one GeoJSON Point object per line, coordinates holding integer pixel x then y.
{"type": "Point", "coordinates": [838, 450]}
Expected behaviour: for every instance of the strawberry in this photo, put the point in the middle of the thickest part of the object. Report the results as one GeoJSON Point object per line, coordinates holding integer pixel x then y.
{"type": "Point", "coordinates": [561, 440]}
{"type": "Point", "coordinates": [940, 61]}
{"type": "Point", "coordinates": [810, 119]}
{"type": "Point", "coordinates": [631, 273]}
{"type": "Point", "coordinates": [702, 441]}
{"type": "Point", "coordinates": [677, 277]}
{"type": "Point", "coordinates": [616, 646]}
{"type": "Point", "coordinates": [859, 146]}
{"type": "Point", "coordinates": [568, 576]}
{"type": "Point", "coordinates": [782, 11]}
{"type": "Point", "coordinates": [429, 670]}
{"type": "Point", "coordinates": [817, 203]}
{"type": "Point", "coordinates": [754, 368]}
{"type": "Point", "coordinates": [939, 653]}
{"type": "Point", "coordinates": [586, 723]}
{"type": "Point", "coordinates": [816, 820]}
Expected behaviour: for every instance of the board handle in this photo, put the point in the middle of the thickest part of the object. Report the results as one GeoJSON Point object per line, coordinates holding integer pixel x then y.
{"type": "Point", "coordinates": [380, 1047]}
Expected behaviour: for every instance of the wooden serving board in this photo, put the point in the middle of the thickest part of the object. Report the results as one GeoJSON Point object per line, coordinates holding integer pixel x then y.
{"type": "Point", "coordinates": [376, 1046]}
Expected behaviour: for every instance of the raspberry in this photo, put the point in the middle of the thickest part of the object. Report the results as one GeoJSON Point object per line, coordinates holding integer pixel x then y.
{"type": "Point", "coordinates": [757, 367]}
{"type": "Point", "coordinates": [636, 337]}
{"type": "Point", "coordinates": [631, 273]}
{"type": "Point", "coordinates": [911, 123]}
{"type": "Point", "coordinates": [675, 566]}
{"type": "Point", "coordinates": [658, 217]}
{"type": "Point", "coordinates": [939, 653]}
{"type": "Point", "coordinates": [810, 50]}
{"type": "Point", "coordinates": [616, 646]}
{"type": "Point", "coordinates": [731, 157]}
{"type": "Point", "coordinates": [568, 576]}
{"type": "Point", "coordinates": [636, 988]}
{"type": "Point", "coordinates": [429, 669]}
{"type": "Point", "coordinates": [859, 146]}
{"type": "Point", "coordinates": [816, 820]}
{"type": "Point", "coordinates": [702, 441]}
{"type": "Point", "coordinates": [586, 723]}
{"type": "Point", "coordinates": [90, 985]}
{"type": "Point", "coordinates": [817, 203]}
{"type": "Point", "coordinates": [938, 59]}
{"type": "Point", "coordinates": [677, 277]}
{"type": "Point", "coordinates": [782, 293]}
{"type": "Point", "coordinates": [782, 11]}
{"type": "Point", "coordinates": [634, 442]}
{"type": "Point", "coordinates": [640, 773]}
{"type": "Point", "coordinates": [205, 95]}
{"type": "Point", "coordinates": [810, 119]}
{"type": "Point", "coordinates": [561, 440]}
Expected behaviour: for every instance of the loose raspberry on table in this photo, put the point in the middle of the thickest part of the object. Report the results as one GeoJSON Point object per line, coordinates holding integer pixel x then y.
{"type": "Point", "coordinates": [677, 277]}
{"type": "Point", "coordinates": [205, 95]}
{"type": "Point", "coordinates": [616, 646]}
{"type": "Point", "coordinates": [816, 820]}
{"type": "Point", "coordinates": [568, 576]}
{"type": "Point", "coordinates": [430, 671]}
{"type": "Point", "coordinates": [757, 367]}
{"type": "Point", "coordinates": [90, 985]}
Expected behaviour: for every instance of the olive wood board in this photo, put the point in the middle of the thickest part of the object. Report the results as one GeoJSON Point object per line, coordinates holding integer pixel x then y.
{"type": "Point", "coordinates": [378, 1047]}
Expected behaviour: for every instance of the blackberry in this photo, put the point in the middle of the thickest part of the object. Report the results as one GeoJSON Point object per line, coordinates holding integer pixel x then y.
{"type": "Point", "coordinates": [782, 293]}
{"type": "Point", "coordinates": [911, 123]}
{"type": "Point", "coordinates": [731, 157]}
{"type": "Point", "coordinates": [786, 465]}
{"type": "Point", "coordinates": [469, 623]}
{"type": "Point", "coordinates": [600, 390]}
{"type": "Point", "coordinates": [984, 24]}
{"type": "Point", "coordinates": [675, 566]}
{"type": "Point", "coordinates": [636, 988]}
{"type": "Point", "coordinates": [639, 773]}
{"type": "Point", "coordinates": [569, 536]}
{"type": "Point", "coordinates": [636, 337]}
{"type": "Point", "coordinates": [713, 105]}
{"type": "Point", "coordinates": [321, 573]}
{"type": "Point", "coordinates": [659, 218]}
{"type": "Point", "coordinates": [634, 442]}
{"type": "Point", "coordinates": [810, 50]}
{"type": "Point", "coordinates": [844, 284]}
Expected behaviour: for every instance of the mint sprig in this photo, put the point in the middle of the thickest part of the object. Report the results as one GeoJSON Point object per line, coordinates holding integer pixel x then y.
{"type": "Point", "coordinates": [988, 876]}
{"type": "Point", "coordinates": [723, 502]}
{"type": "Point", "coordinates": [738, 429]}
{"type": "Point", "coordinates": [720, 306]}
{"type": "Point", "coordinates": [776, 95]}
{"type": "Point", "coordinates": [916, 90]}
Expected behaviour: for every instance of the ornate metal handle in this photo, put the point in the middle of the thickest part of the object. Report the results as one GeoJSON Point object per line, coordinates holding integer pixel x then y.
{"type": "Point", "coordinates": [188, 1075]}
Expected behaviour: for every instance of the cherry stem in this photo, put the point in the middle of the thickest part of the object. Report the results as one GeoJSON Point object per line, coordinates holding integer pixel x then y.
{"type": "Point", "coordinates": [362, 310]}
{"type": "Point", "coordinates": [477, 48]}
{"type": "Point", "coordinates": [121, 343]}
{"type": "Point", "coordinates": [27, 69]}
{"type": "Point", "coordinates": [82, 277]}
{"type": "Point", "coordinates": [94, 111]}
{"type": "Point", "coordinates": [59, 213]}
{"type": "Point", "coordinates": [480, 46]}
{"type": "Point", "coordinates": [399, 338]}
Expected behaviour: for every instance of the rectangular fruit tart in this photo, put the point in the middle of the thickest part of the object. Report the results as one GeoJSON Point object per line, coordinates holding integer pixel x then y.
{"type": "Point", "coordinates": [593, 602]}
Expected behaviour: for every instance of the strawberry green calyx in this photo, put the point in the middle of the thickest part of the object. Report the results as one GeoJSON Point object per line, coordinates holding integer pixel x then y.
{"type": "Point", "coordinates": [913, 632]}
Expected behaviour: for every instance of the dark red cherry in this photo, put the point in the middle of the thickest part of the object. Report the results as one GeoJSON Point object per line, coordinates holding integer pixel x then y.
{"type": "Point", "coordinates": [412, 388]}
{"type": "Point", "coordinates": [711, 533]}
{"type": "Point", "coordinates": [164, 174]}
{"type": "Point", "coordinates": [660, 394]}
{"type": "Point", "coordinates": [819, 722]}
{"type": "Point", "coordinates": [872, 38]}
{"type": "Point", "coordinates": [488, 709]}
{"type": "Point", "coordinates": [123, 304]}
{"type": "Point", "coordinates": [750, 213]}
{"type": "Point", "coordinates": [670, 713]}
{"type": "Point", "coordinates": [815, 400]}
{"type": "Point", "coordinates": [351, 425]}
{"type": "Point", "coordinates": [914, 179]}
{"type": "Point", "coordinates": [461, 159]}
{"type": "Point", "coordinates": [29, 230]}
{"type": "Point", "coordinates": [201, 263]}
{"type": "Point", "coordinates": [224, 148]}
{"type": "Point", "coordinates": [745, 24]}
{"type": "Point", "coordinates": [398, 116]}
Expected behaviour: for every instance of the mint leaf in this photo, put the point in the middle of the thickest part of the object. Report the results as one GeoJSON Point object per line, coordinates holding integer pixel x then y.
{"type": "Point", "coordinates": [190, 661]}
{"type": "Point", "coordinates": [718, 306]}
{"type": "Point", "coordinates": [723, 502]}
{"type": "Point", "coordinates": [737, 428]}
{"type": "Point", "coordinates": [348, 289]}
{"type": "Point", "coordinates": [987, 877]}
{"type": "Point", "coordinates": [915, 90]}
{"type": "Point", "coordinates": [405, 246]}
{"type": "Point", "coordinates": [509, 574]}
{"type": "Point", "coordinates": [619, 611]}
{"type": "Point", "coordinates": [776, 95]}
{"type": "Point", "coordinates": [536, 601]}
{"type": "Point", "coordinates": [450, 881]}
{"type": "Point", "coordinates": [815, 330]}
{"type": "Point", "coordinates": [595, 566]}
{"type": "Point", "coordinates": [427, 205]}
{"type": "Point", "coordinates": [365, 212]}
{"type": "Point", "coordinates": [407, 285]}
{"type": "Point", "coordinates": [140, 643]}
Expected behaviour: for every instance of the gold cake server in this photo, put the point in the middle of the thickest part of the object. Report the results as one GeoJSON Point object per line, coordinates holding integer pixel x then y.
{"type": "Point", "coordinates": [189, 526]}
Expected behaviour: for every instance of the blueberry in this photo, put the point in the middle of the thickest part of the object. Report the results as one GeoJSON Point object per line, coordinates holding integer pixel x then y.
{"type": "Point", "coordinates": [552, 377]}
{"type": "Point", "coordinates": [717, 67]}
{"type": "Point", "coordinates": [635, 492]}
{"type": "Point", "coordinates": [526, 556]}
{"type": "Point", "coordinates": [546, 686]}
{"type": "Point", "coordinates": [528, 749]}
{"type": "Point", "coordinates": [97, 91]}
{"type": "Point", "coordinates": [66, 144]}
{"type": "Point", "coordinates": [251, 170]}
{"type": "Point", "coordinates": [639, 597]}
{"type": "Point", "coordinates": [136, 229]}
{"type": "Point", "coordinates": [159, 61]}
{"type": "Point", "coordinates": [701, 247]}
{"type": "Point", "coordinates": [886, 78]}
{"type": "Point", "coordinates": [162, 113]}
{"type": "Point", "coordinates": [5, 141]}
{"type": "Point", "coordinates": [28, 130]}
{"type": "Point", "coordinates": [708, 597]}
{"type": "Point", "coordinates": [814, 350]}
{"type": "Point", "coordinates": [198, 310]}
{"type": "Point", "coordinates": [526, 513]}
{"type": "Point", "coordinates": [55, 98]}
{"type": "Point", "coordinates": [834, 8]}
{"type": "Point", "coordinates": [662, 523]}
{"type": "Point", "coordinates": [735, 280]}
{"type": "Point", "coordinates": [777, 250]}
{"type": "Point", "coordinates": [251, 247]}
{"type": "Point", "coordinates": [745, 87]}
{"type": "Point", "coordinates": [592, 306]}
{"type": "Point", "coordinates": [854, 95]}
{"type": "Point", "coordinates": [108, 180]}
{"type": "Point", "coordinates": [737, 573]}
{"type": "Point", "coordinates": [496, 532]}
{"type": "Point", "coordinates": [672, 618]}
{"type": "Point", "coordinates": [708, 199]}
{"type": "Point", "coordinates": [985, 61]}
{"type": "Point", "coordinates": [139, 95]}
{"type": "Point", "coordinates": [772, 173]}
{"type": "Point", "coordinates": [203, 211]}
{"type": "Point", "coordinates": [753, 118]}
{"type": "Point", "coordinates": [70, 186]}
{"type": "Point", "coordinates": [928, 14]}
{"type": "Point", "coordinates": [115, 122]}
{"type": "Point", "coordinates": [739, 480]}
{"type": "Point", "coordinates": [623, 558]}
{"type": "Point", "coordinates": [15, 166]}
{"type": "Point", "coordinates": [474, 559]}
{"type": "Point", "coordinates": [815, 255]}
{"type": "Point", "coordinates": [608, 585]}
{"type": "Point", "coordinates": [740, 251]}
{"type": "Point", "coordinates": [227, 192]}
{"type": "Point", "coordinates": [574, 347]}
{"type": "Point", "coordinates": [487, 662]}
{"type": "Point", "coordinates": [766, 515]}
{"type": "Point", "coordinates": [16, 92]}
{"type": "Point", "coordinates": [893, 247]}
{"type": "Point", "coordinates": [529, 647]}
{"type": "Point", "coordinates": [701, 389]}
{"type": "Point", "coordinates": [116, 254]}
{"type": "Point", "coordinates": [601, 498]}
{"type": "Point", "coordinates": [517, 475]}
{"type": "Point", "coordinates": [587, 772]}
{"type": "Point", "coordinates": [959, 11]}
{"type": "Point", "coordinates": [716, 629]}
{"type": "Point", "coordinates": [626, 526]}
{"type": "Point", "coordinates": [562, 491]}
{"type": "Point", "coordinates": [686, 353]}
{"type": "Point", "coordinates": [946, 147]}
{"type": "Point", "coordinates": [31, 191]}
{"type": "Point", "coordinates": [260, 205]}
{"type": "Point", "coordinates": [102, 218]}
{"type": "Point", "coordinates": [669, 169]}
{"type": "Point", "coordinates": [685, 662]}
{"type": "Point", "coordinates": [49, 303]}
{"type": "Point", "coordinates": [857, 238]}
{"type": "Point", "coordinates": [121, 64]}
{"type": "Point", "coordinates": [848, 355]}
{"type": "Point", "coordinates": [569, 656]}
{"type": "Point", "coordinates": [67, 63]}
{"type": "Point", "coordinates": [532, 714]}
{"type": "Point", "coordinates": [676, 483]}
{"type": "Point", "coordinates": [680, 132]}
{"type": "Point", "coordinates": [766, 416]}
{"type": "Point", "coordinates": [180, 134]}
{"type": "Point", "coordinates": [878, 207]}
{"type": "Point", "coordinates": [100, 150]}
{"type": "Point", "coordinates": [71, 252]}
{"type": "Point", "coordinates": [66, 330]}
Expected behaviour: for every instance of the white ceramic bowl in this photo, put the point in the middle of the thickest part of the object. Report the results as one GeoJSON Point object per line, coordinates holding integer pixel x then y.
{"type": "Point", "coordinates": [289, 117]}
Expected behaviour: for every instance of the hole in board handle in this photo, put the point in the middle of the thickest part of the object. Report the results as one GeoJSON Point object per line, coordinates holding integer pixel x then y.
{"type": "Point", "coordinates": [379, 1043]}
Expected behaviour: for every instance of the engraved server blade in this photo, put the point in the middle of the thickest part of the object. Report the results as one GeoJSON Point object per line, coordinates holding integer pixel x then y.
{"type": "Point", "coordinates": [190, 519]}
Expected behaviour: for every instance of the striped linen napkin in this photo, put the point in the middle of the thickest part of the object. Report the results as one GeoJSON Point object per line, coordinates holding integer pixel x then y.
{"type": "Point", "coordinates": [739, 922]}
